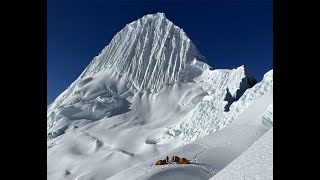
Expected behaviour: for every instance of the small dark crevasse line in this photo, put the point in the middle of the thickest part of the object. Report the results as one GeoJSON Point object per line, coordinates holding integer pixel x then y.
{"type": "Point", "coordinates": [66, 173]}
{"type": "Point", "coordinates": [230, 99]}
{"type": "Point", "coordinates": [246, 83]}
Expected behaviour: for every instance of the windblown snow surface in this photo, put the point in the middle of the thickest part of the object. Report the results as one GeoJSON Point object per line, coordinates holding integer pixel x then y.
{"type": "Point", "coordinates": [255, 163]}
{"type": "Point", "coordinates": [148, 94]}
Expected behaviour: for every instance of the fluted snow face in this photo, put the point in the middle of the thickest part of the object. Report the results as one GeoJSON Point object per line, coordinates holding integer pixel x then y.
{"type": "Point", "coordinates": [145, 55]}
{"type": "Point", "coordinates": [151, 52]}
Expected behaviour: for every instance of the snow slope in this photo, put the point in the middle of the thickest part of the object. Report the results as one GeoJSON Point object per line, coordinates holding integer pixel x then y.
{"type": "Point", "coordinates": [212, 153]}
{"type": "Point", "coordinates": [255, 163]}
{"type": "Point", "coordinates": [101, 148]}
{"type": "Point", "coordinates": [142, 97]}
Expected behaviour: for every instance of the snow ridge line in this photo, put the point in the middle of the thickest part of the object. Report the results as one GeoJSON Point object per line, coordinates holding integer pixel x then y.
{"type": "Point", "coordinates": [200, 145]}
{"type": "Point", "coordinates": [195, 157]}
{"type": "Point", "coordinates": [206, 170]}
{"type": "Point", "coordinates": [205, 148]}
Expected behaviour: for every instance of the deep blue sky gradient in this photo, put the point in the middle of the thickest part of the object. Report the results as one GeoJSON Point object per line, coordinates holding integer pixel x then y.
{"type": "Point", "coordinates": [229, 33]}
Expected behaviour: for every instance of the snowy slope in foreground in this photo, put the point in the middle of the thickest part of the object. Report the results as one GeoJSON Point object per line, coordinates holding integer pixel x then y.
{"type": "Point", "coordinates": [255, 163]}
{"type": "Point", "coordinates": [212, 153]}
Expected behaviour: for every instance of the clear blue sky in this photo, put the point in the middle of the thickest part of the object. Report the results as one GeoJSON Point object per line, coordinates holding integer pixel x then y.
{"type": "Point", "coordinates": [229, 33]}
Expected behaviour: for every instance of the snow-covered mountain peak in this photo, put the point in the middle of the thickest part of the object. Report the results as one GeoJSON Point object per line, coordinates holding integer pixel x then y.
{"type": "Point", "coordinates": [158, 15]}
{"type": "Point", "coordinates": [150, 52]}
{"type": "Point", "coordinates": [159, 18]}
{"type": "Point", "coordinates": [144, 56]}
